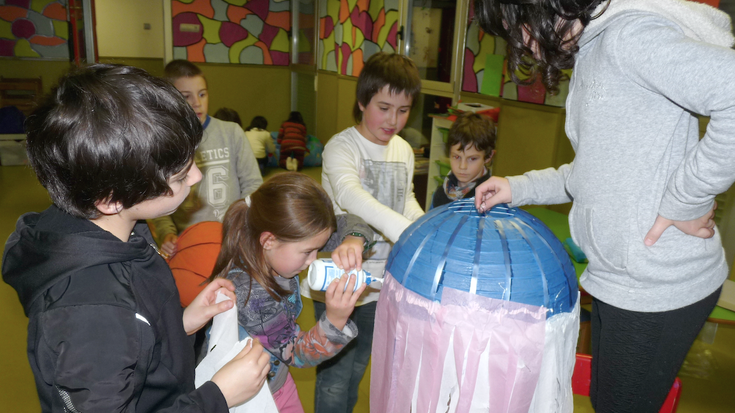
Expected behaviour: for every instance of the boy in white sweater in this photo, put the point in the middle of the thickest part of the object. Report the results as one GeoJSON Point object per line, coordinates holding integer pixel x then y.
{"type": "Point", "coordinates": [229, 168]}
{"type": "Point", "coordinates": [368, 172]}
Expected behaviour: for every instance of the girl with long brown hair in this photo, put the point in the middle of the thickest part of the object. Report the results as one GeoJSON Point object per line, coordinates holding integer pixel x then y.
{"type": "Point", "coordinates": [267, 240]}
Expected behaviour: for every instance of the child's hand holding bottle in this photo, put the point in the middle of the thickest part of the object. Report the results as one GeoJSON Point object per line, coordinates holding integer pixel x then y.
{"type": "Point", "coordinates": [341, 301]}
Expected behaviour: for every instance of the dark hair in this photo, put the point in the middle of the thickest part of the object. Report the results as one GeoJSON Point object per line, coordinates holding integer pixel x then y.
{"type": "Point", "coordinates": [296, 117]}
{"type": "Point", "coordinates": [398, 72]}
{"type": "Point", "coordinates": [176, 69]}
{"type": "Point", "coordinates": [548, 23]}
{"type": "Point", "coordinates": [291, 206]}
{"type": "Point", "coordinates": [258, 122]}
{"type": "Point", "coordinates": [229, 115]}
{"type": "Point", "coordinates": [110, 132]}
{"type": "Point", "coordinates": [472, 129]}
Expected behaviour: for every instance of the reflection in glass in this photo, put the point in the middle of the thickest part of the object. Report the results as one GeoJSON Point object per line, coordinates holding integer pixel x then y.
{"type": "Point", "coordinates": [307, 34]}
{"type": "Point", "coordinates": [430, 37]}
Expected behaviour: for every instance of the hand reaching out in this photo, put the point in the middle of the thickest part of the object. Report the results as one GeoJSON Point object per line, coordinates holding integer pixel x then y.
{"type": "Point", "coordinates": [495, 190]}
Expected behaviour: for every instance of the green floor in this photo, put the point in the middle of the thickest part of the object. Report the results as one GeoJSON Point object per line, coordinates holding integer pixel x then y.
{"type": "Point", "coordinates": [708, 378]}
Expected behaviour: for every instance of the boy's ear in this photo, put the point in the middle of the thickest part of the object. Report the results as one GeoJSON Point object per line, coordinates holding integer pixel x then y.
{"type": "Point", "coordinates": [362, 108]}
{"type": "Point", "coordinates": [490, 156]}
{"type": "Point", "coordinates": [267, 240]}
{"type": "Point", "coordinates": [107, 207]}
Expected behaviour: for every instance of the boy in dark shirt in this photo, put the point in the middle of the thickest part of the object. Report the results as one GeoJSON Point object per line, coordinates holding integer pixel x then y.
{"type": "Point", "coordinates": [114, 146]}
{"type": "Point", "coordinates": [470, 147]}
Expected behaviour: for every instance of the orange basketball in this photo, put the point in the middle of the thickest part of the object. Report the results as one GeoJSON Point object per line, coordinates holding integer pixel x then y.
{"type": "Point", "coordinates": [196, 252]}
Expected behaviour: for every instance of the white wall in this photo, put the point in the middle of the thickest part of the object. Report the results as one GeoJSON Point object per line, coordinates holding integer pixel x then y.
{"type": "Point", "coordinates": [120, 28]}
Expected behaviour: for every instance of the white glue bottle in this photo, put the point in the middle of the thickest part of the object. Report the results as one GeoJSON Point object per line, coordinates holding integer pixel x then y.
{"type": "Point", "coordinates": [323, 271]}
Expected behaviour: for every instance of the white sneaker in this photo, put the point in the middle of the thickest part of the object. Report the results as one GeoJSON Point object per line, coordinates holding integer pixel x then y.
{"type": "Point", "coordinates": [292, 164]}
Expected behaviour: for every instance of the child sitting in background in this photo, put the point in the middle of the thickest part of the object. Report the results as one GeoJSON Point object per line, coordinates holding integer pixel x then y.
{"type": "Point", "coordinates": [261, 141]}
{"type": "Point", "coordinates": [470, 147]}
{"type": "Point", "coordinates": [269, 238]}
{"type": "Point", "coordinates": [368, 171]}
{"type": "Point", "coordinates": [229, 169]}
{"type": "Point", "coordinates": [292, 138]}
{"type": "Point", "coordinates": [228, 115]}
{"type": "Point", "coordinates": [114, 145]}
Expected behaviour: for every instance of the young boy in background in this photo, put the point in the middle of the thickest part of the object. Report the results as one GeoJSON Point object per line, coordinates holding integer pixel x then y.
{"type": "Point", "coordinates": [470, 147]}
{"type": "Point", "coordinates": [368, 171]}
{"type": "Point", "coordinates": [229, 169]}
{"type": "Point", "coordinates": [113, 146]}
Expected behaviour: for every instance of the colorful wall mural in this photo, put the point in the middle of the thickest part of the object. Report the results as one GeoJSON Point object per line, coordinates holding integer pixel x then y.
{"type": "Point", "coordinates": [232, 31]}
{"type": "Point", "coordinates": [350, 31]}
{"type": "Point", "coordinates": [34, 28]}
{"type": "Point", "coordinates": [485, 70]}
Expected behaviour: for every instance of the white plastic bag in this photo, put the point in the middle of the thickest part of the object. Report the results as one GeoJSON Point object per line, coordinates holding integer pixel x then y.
{"type": "Point", "coordinates": [223, 346]}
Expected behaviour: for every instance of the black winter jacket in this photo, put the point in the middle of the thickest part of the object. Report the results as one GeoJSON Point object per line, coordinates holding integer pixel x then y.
{"type": "Point", "coordinates": [105, 329]}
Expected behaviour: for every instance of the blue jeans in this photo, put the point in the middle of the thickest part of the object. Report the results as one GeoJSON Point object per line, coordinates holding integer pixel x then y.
{"type": "Point", "coordinates": [338, 378]}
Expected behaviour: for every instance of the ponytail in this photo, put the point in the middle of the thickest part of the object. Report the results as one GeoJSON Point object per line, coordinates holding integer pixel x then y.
{"type": "Point", "coordinates": [241, 249]}
{"type": "Point", "coordinates": [291, 206]}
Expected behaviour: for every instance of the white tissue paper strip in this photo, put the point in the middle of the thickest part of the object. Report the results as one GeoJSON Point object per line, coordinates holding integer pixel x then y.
{"type": "Point", "coordinates": [554, 388]}
{"type": "Point", "coordinates": [222, 347]}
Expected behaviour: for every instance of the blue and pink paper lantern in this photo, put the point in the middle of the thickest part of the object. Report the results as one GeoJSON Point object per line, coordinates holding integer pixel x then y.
{"type": "Point", "coordinates": [479, 312]}
{"type": "Point", "coordinates": [507, 254]}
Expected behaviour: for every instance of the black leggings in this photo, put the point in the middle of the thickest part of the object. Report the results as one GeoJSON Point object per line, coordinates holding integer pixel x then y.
{"type": "Point", "coordinates": [636, 355]}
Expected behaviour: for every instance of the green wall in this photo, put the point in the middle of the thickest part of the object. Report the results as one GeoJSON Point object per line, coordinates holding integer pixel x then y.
{"type": "Point", "coordinates": [48, 70]}
{"type": "Point", "coordinates": [251, 90]}
{"type": "Point", "coordinates": [152, 66]}
{"type": "Point", "coordinates": [51, 70]}
{"type": "Point", "coordinates": [335, 100]}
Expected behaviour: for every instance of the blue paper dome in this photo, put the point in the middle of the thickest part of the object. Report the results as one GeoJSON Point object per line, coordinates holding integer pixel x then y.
{"type": "Point", "coordinates": [505, 253]}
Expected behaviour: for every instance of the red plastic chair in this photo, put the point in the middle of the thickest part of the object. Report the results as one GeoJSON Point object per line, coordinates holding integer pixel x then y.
{"type": "Point", "coordinates": [583, 376]}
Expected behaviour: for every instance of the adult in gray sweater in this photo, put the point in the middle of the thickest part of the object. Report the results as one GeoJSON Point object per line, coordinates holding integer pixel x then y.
{"type": "Point", "coordinates": [642, 183]}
